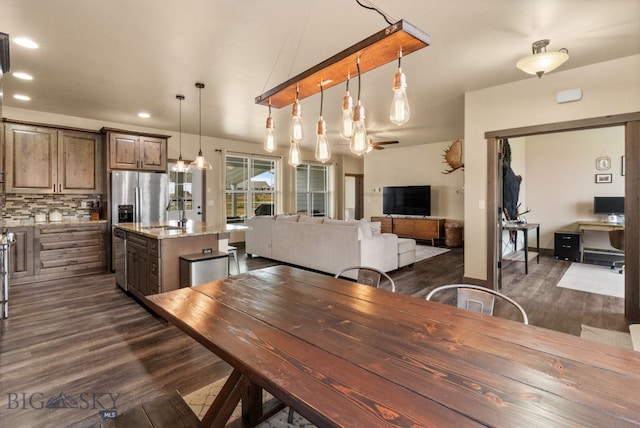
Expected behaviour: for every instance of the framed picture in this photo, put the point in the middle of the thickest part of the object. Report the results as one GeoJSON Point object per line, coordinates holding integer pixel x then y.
{"type": "Point", "coordinates": [603, 178]}
{"type": "Point", "coordinates": [623, 167]}
{"type": "Point", "coordinates": [603, 163]}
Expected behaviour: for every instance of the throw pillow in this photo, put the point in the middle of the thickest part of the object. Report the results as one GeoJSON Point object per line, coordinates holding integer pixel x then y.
{"type": "Point", "coordinates": [376, 228]}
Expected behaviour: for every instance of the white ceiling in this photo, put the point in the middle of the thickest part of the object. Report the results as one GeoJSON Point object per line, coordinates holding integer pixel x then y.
{"type": "Point", "coordinates": [110, 59]}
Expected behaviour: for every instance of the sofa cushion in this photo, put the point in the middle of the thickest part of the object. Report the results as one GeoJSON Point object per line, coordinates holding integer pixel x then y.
{"type": "Point", "coordinates": [376, 227]}
{"type": "Point", "coordinates": [287, 217]}
{"type": "Point", "coordinates": [405, 245]}
{"type": "Point", "coordinates": [308, 219]}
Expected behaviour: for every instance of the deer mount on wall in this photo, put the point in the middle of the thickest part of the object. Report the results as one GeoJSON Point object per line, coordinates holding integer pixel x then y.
{"type": "Point", "coordinates": [453, 157]}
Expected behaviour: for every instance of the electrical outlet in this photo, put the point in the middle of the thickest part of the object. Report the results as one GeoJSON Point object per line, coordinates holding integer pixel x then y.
{"type": "Point", "coordinates": [83, 204]}
{"type": "Point", "coordinates": [207, 250]}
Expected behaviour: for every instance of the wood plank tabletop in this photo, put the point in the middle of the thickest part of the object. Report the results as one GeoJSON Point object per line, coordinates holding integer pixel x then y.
{"type": "Point", "coordinates": [344, 354]}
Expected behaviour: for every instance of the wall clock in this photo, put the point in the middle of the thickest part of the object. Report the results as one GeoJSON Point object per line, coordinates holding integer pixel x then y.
{"type": "Point", "coordinates": [603, 163]}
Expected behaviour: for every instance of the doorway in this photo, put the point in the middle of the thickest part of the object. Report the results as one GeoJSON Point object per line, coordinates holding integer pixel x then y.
{"type": "Point", "coordinates": [186, 188]}
{"type": "Point", "coordinates": [353, 196]}
{"type": "Point", "coordinates": [631, 124]}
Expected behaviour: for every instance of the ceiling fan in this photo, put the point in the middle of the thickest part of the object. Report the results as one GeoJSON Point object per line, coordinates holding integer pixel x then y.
{"type": "Point", "coordinates": [378, 145]}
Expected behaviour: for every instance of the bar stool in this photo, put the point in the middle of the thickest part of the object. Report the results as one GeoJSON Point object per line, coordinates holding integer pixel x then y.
{"type": "Point", "coordinates": [234, 251]}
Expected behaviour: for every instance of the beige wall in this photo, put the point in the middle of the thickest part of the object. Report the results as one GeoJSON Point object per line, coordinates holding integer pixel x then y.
{"type": "Point", "coordinates": [611, 87]}
{"type": "Point", "coordinates": [414, 165]}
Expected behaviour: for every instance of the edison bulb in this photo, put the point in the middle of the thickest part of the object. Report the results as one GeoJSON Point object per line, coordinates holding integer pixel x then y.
{"type": "Point", "coordinates": [358, 143]}
{"type": "Point", "coordinates": [294, 154]}
{"type": "Point", "coordinates": [295, 132]}
{"type": "Point", "coordinates": [346, 124]}
{"type": "Point", "coordinates": [400, 104]}
{"type": "Point", "coordinates": [323, 151]}
{"type": "Point", "coordinates": [270, 141]}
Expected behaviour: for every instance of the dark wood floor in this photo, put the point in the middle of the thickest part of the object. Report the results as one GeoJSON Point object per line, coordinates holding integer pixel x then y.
{"type": "Point", "coordinates": [86, 341]}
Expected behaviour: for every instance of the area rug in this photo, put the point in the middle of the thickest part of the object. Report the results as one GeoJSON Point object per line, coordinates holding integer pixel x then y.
{"type": "Point", "coordinates": [593, 279]}
{"type": "Point", "coordinates": [425, 252]}
{"type": "Point", "coordinates": [200, 400]}
{"type": "Point", "coordinates": [607, 337]}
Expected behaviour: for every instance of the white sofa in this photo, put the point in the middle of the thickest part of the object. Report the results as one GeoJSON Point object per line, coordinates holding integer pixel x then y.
{"type": "Point", "coordinates": [323, 244]}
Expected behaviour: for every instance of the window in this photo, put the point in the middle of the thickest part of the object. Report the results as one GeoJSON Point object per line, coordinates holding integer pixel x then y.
{"type": "Point", "coordinates": [312, 190]}
{"type": "Point", "coordinates": [251, 187]}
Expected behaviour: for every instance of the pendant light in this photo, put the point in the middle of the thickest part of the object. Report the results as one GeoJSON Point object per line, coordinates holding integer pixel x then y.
{"type": "Point", "coordinates": [295, 132]}
{"type": "Point", "coordinates": [294, 154]}
{"type": "Point", "coordinates": [400, 104]}
{"type": "Point", "coordinates": [358, 143]}
{"type": "Point", "coordinates": [200, 162]}
{"type": "Point", "coordinates": [323, 151]}
{"type": "Point", "coordinates": [270, 139]}
{"type": "Point", "coordinates": [346, 124]}
{"type": "Point", "coordinates": [179, 166]}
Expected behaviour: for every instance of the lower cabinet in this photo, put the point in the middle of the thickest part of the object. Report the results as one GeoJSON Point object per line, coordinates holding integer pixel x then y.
{"type": "Point", "coordinates": [416, 228]}
{"type": "Point", "coordinates": [47, 252]}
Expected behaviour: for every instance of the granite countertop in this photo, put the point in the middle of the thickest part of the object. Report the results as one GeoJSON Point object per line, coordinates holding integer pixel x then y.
{"type": "Point", "coordinates": [63, 222]}
{"type": "Point", "coordinates": [172, 229]}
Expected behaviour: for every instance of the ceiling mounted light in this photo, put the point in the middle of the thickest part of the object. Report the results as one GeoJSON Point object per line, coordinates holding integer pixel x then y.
{"type": "Point", "coordinates": [376, 50]}
{"type": "Point", "coordinates": [22, 97]}
{"type": "Point", "coordinates": [144, 115]}
{"type": "Point", "coordinates": [399, 113]}
{"type": "Point", "coordinates": [200, 162]}
{"type": "Point", "coordinates": [179, 166]}
{"type": "Point", "coordinates": [346, 124]}
{"type": "Point", "coordinates": [294, 154]}
{"type": "Point", "coordinates": [270, 139]}
{"type": "Point", "coordinates": [26, 43]}
{"type": "Point", "coordinates": [541, 61]}
{"type": "Point", "coordinates": [358, 143]}
{"type": "Point", "coordinates": [323, 151]}
{"type": "Point", "coordinates": [295, 131]}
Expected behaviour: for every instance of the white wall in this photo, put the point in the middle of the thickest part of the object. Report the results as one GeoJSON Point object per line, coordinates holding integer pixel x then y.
{"type": "Point", "coordinates": [611, 87]}
{"type": "Point", "coordinates": [414, 165]}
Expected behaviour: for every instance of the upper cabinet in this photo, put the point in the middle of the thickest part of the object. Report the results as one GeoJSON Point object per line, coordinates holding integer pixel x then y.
{"type": "Point", "coordinates": [42, 159]}
{"type": "Point", "coordinates": [136, 151]}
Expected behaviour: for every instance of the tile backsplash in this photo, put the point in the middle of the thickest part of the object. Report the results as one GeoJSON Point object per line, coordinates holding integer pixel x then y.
{"type": "Point", "coordinates": [22, 207]}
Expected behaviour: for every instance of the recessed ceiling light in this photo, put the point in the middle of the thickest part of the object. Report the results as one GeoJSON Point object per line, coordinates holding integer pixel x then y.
{"type": "Point", "coordinates": [144, 115]}
{"type": "Point", "coordinates": [26, 43]}
{"type": "Point", "coordinates": [23, 76]}
{"type": "Point", "coordinates": [22, 97]}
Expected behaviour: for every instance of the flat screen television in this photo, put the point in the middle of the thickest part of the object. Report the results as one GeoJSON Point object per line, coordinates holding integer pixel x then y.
{"type": "Point", "coordinates": [406, 200]}
{"type": "Point", "coordinates": [608, 205]}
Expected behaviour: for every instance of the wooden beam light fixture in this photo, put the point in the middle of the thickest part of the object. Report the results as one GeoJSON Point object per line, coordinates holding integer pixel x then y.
{"type": "Point", "coordinates": [374, 51]}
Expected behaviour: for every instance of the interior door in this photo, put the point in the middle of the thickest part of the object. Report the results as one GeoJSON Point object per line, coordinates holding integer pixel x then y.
{"type": "Point", "coordinates": [187, 187]}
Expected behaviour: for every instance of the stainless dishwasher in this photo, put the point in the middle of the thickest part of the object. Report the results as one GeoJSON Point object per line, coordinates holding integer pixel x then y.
{"type": "Point", "coordinates": [120, 257]}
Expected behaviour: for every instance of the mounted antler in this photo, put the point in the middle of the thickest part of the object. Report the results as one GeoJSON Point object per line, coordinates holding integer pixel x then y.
{"type": "Point", "coordinates": [453, 156]}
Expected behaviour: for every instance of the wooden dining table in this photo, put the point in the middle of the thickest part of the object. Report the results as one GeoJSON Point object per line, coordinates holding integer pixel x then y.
{"type": "Point", "coordinates": [345, 354]}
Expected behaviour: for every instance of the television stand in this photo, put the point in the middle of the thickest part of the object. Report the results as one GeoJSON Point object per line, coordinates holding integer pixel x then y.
{"type": "Point", "coordinates": [424, 229]}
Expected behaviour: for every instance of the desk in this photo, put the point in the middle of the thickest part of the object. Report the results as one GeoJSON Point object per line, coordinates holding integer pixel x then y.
{"type": "Point", "coordinates": [597, 226]}
{"type": "Point", "coordinates": [344, 354]}
{"type": "Point", "coordinates": [525, 228]}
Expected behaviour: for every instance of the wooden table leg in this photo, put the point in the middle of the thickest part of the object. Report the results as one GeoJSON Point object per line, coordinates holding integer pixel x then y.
{"type": "Point", "coordinates": [226, 401]}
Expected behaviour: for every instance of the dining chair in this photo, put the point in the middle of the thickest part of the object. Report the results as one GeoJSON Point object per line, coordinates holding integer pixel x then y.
{"type": "Point", "coordinates": [478, 299]}
{"type": "Point", "coordinates": [368, 276]}
{"type": "Point", "coordinates": [234, 252]}
{"type": "Point", "coordinates": [616, 239]}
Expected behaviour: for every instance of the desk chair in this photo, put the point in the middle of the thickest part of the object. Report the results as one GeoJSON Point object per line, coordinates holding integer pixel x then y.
{"type": "Point", "coordinates": [616, 239]}
{"type": "Point", "coordinates": [234, 252]}
{"type": "Point", "coordinates": [478, 299]}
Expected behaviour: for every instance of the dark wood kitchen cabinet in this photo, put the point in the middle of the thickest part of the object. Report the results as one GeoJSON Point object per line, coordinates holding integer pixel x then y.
{"type": "Point", "coordinates": [55, 251]}
{"type": "Point", "coordinates": [137, 265]}
{"type": "Point", "coordinates": [66, 160]}
{"type": "Point", "coordinates": [136, 151]}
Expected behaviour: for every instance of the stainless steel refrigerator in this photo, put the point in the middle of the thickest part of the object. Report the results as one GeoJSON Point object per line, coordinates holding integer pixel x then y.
{"type": "Point", "coordinates": [139, 197]}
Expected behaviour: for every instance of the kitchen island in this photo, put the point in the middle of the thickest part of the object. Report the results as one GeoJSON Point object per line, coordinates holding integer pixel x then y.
{"type": "Point", "coordinates": [149, 261]}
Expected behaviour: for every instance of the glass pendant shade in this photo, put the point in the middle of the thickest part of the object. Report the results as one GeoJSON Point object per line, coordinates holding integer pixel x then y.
{"type": "Point", "coordinates": [295, 133]}
{"type": "Point", "coordinates": [200, 162]}
{"type": "Point", "coordinates": [270, 139]}
{"type": "Point", "coordinates": [294, 154]}
{"type": "Point", "coordinates": [346, 124]}
{"type": "Point", "coordinates": [323, 151]}
{"type": "Point", "coordinates": [358, 143]}
{"type": "Point", "coordinates": [180, 166]}
{"type": "Point", "coordinates": [400, 104]}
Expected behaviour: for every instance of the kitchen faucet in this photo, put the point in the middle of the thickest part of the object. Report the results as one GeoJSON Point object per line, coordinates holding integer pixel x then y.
{"type": "Point", "coordinates": [183, 220]}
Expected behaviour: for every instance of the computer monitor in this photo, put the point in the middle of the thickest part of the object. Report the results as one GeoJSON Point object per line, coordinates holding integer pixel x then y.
{"type": "Point", "coordinates": [608, 205]}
